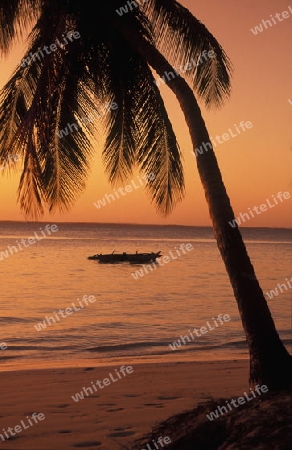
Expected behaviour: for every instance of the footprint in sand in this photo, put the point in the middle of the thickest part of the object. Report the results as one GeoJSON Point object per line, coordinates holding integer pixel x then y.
{"type": "Point", "coordinates": [127, 427]}
{"type": "Point", "coordinates": [156, 405]}
{"type": "Point", "coordinates": [114, 409]}
{"type": "Point", "coordinates": [131, 395]}
{"type": "Point", "coordinates": [121, 434]}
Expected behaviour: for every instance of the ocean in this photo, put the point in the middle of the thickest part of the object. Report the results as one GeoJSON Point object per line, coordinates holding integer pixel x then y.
{"type": "Point", "coordinates": [128, 320]}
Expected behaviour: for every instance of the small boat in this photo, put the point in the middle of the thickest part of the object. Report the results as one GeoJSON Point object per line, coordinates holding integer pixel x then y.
{"type": "Point", "coordinates": [132, 258]}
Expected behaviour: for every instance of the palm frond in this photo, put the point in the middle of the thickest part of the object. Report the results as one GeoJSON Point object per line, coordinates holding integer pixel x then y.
{"type": "Point", "coordinates": [31, 192]}
{"type": "Point", "coordinates": [140, 132]}
{"type": "Point", "coordinates": [15, 17]}
{"type": "Point", "coordinates": [119, 151]}
{"type": "Point", "coordinates": [39, 104]}
{"type": "Point", "coordinates": [158, 156]}
{"type": "Point", "coordinates": [182, 38]}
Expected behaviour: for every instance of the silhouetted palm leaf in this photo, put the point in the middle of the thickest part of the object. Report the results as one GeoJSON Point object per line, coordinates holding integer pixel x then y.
{"type": "Point", "coordinates": [15, 16]}
{"type": "Point", "coordinates": [55, 92]}
{"type": "Point", "coordinates": [181, 37]}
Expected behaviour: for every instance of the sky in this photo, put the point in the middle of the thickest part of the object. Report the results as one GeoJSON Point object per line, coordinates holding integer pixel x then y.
{"type": "Point", "coordinates": [255, 164]}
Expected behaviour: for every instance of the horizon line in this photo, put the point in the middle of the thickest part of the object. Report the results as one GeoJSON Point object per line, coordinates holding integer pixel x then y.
{"type": "Point", "coordinates": [137, 224]}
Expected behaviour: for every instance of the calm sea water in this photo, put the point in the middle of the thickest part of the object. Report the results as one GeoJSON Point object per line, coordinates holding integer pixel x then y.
{"type": "Point", "coordinates": [131, 320]}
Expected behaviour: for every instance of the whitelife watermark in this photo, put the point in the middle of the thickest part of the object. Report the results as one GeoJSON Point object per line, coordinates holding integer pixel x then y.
{"type": "Point", "coordinates": [203, 330]}
{"type": "Point", "coordinates": [244, 126]}
{"type": "Point", "coordinates": [19, 428]}
{"type": "Point", "coordinates": [105, 382]}
{"type": "Point", "coordinates": [241, 400]}
{"type": "Point", "coordinates": [271, 22]}
{"type": "Point", "coordinates": [185, 68]}
{"type": "Point", "coordinates": [159, 444]}
{"type": "Point", "coordinates": [70, 35]}
{"type": "Point", "coordinates": [108, 198]}
{"type": "Point", "coordinates": [274, 292]}
{"type": "Point", "coordinates": [10, 158]}
{"type": "Point", "coordinates": [65, 312]}
{"type": "Point", "coordinates": [49, 229]}
{"type": "Point", "coordinates": [162, 260]}
{"type": "Point", "coordinates": [259, 209]}
{"type": "Point", "coordinates": [75, 126]}
{"type": "Point", "coordinates": [129, 6]}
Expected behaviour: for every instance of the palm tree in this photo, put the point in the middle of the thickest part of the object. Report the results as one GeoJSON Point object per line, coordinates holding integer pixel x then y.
{"type": "Point", "coordinates": [113, 61]}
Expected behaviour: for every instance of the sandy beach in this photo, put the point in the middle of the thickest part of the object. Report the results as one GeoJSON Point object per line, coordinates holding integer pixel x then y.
{"type": "Point", "coordinates": [115, 415]}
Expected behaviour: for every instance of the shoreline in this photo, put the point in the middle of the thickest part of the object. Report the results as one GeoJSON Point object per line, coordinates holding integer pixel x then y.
{"type": "Point", "coordinates": [89, 363]}
{"type": "Point", "coordinates": [118, 414]}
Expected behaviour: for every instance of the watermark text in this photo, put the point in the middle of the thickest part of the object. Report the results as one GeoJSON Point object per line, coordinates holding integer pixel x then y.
{"type": "Point", "coordinates": [203, 330]}
{"type": "Point", "coordinates": [241, 400]}
{"type": "Point", "coordinates": [122, 372]}
{"type": "Point", "coordinates": [259, 209]}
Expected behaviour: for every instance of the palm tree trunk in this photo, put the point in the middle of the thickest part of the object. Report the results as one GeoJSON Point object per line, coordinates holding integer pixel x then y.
{"type": "Point", "coordinates": [270, 363]}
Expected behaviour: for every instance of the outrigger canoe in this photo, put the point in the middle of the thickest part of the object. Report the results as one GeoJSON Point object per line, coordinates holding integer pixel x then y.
{"type": "Point", "coordinates": [132, 258]}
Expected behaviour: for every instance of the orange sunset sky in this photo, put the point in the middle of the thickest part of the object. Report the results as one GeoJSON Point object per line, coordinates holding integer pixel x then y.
{"type": "Point", "coordinates": [255, 165]}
